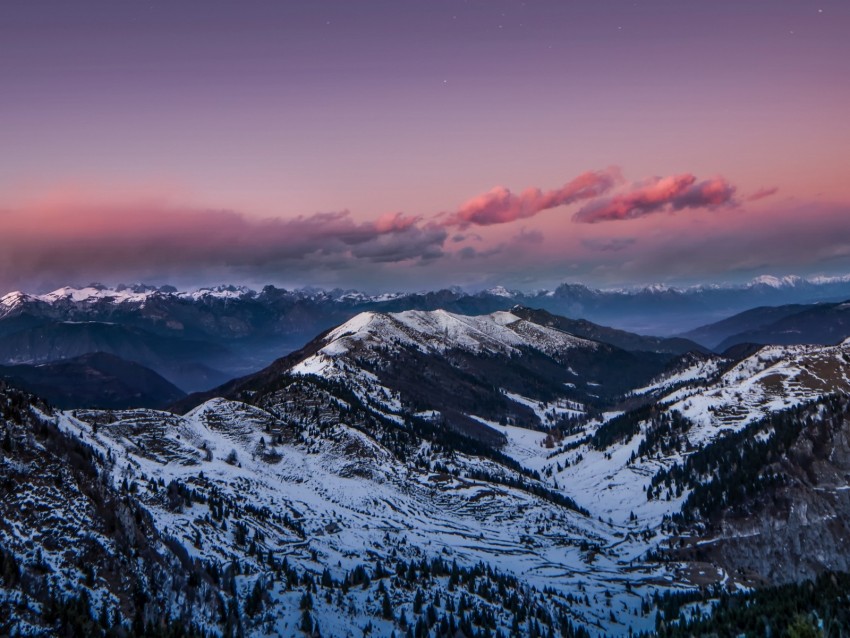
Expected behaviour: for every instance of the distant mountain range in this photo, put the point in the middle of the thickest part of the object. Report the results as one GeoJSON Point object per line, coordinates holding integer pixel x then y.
{"type": "Point", "coordinates": [199, 339]}
{"type": "Point", "coordinates": [656, 309]}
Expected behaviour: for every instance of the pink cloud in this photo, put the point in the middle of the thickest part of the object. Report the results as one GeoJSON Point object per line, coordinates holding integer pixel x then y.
{"type": "Point", "coordinates": [762, 193]}
{"type": "Point", "coordinates": [500, 205]}
{"type": "Point", "coordinates": [394, 222]}
{"type": "Point", "coordinates": [676, 192]}
{"type": "Point", "coordinates": [79, 242]}
{"type": "Point", "coordinates": [69, 239]}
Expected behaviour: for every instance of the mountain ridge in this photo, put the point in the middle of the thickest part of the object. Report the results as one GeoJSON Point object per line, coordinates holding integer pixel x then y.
{"type": "Point", "coordinates": [594, 304]}
{"type": "Point", "coordinates": [820, 323]}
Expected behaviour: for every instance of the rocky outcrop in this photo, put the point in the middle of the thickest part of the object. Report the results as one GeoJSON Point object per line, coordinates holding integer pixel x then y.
{"type": "Point", "coordinates": [798, 528]}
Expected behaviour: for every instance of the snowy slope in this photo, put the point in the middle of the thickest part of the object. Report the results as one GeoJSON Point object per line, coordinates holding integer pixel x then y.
{"type": "Point", "coordinates": [325, 459]}
{"type": "Point", "coordinates": [612, 481]}
{"type": "Point", "coordinates": [437, 332]}
{"type": "Point", "coordinates": [772, 379]}
{"type": "Point", "coordinates": [328, 495]}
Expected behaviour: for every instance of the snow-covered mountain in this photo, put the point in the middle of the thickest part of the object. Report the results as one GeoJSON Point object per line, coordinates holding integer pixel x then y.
{"type": "Point", "coordinates": [471, 370]}
{"type": "Point", "coordinates": [95, 293]}
{"type": "Point", "coordinates": [489, 473]}
{"type": "Point", "coordinates": [199, 339]}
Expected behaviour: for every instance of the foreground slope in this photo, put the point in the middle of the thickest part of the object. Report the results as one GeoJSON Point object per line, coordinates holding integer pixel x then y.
{"type": "Point", "coordinates": [260, 504]}
{"type": "Point", "coordinates": [67, 532]}
{"type": "Point", "coordinates": [716, 430]}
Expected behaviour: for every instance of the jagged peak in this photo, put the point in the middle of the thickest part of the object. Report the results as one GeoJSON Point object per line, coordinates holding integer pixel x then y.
{"type": "Point", "coordinates": [787, 281]}
{"type": "Point", "coordinates": [14, 298]}
{"type": "Point", "coordinates": [500, 291]}
{"type": "Point", "coordinates": [221, 291]}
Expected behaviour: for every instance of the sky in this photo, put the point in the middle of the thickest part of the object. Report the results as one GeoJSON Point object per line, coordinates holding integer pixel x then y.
{"type": "Point", "coordinates": [401, 145]}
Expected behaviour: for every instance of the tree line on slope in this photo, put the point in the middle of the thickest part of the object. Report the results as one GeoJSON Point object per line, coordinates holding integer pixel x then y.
{"type": "Point", "coordinates": [817, 608]}
{"type": "Point", "coordinates": [728, 473]}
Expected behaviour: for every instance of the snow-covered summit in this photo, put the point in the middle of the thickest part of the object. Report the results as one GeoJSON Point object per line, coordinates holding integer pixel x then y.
{"type": "Point", "coordinates": [14, 299]}
{"type": "Point", "coordinates": [439, 331]}
{"type": "Point", "coordinates": [120, 294]}
{"type": "Point", "coordinates": [219, 292]}
{"type": "Point", "coordinates": [777, 282]}
{"type": "Point", "coordinates": [97, 292]}
{"type": "Point", "coordinates": [500, 291]}
{"type": "Point", "coordinates": [823, 280]}
{"type": "Point", "coordinates": [140, 292]}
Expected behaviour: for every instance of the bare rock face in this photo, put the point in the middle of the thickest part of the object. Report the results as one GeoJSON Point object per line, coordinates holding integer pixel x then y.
{"type": "Point", "coordinates": [800, 528]}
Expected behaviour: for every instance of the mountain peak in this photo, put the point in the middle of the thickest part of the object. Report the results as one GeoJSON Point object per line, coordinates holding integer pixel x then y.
{"type": "Point", "coordinates": [436, 332]}
{"type": "Point", "coordinates": [14, 298]}
{"type": "Point", "coordinates": [787, 281]}
{"type": "Point", "coordinates": [500, 291]}
{"type": "Point", "coordinates": [222, 291]}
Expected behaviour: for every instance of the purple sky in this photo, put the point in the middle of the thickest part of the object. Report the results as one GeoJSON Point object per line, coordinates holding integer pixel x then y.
{"type": "Point", "coordinates": [419, 144]}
